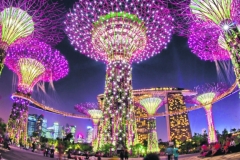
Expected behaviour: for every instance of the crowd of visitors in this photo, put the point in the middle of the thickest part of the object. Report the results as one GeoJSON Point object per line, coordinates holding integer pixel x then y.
{"type": "Point", "coordinates": [218, 149]}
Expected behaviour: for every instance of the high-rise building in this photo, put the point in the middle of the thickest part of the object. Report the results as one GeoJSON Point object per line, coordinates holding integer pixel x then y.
{"type": "Point", "coordinates": [56, 130]}
{"type": "Point", "coordinates": [178, 125]}
{"type": "Point", "coordinates": [36, 124]}
{"type": "Point", "coordinates": [39, 125]}
{"type": "Point", "coordinates": [73, 131]}
{"type": "Point", "coordinates": [89, 134]}
{"type": "Point", "coordinates": [53, 131]}
{"type": "Point", "coordinates": [44, 128]}
{"type": "Point", "coordinates": [142, 124]}
{"type": "Point", "coordinates": [32, 121]}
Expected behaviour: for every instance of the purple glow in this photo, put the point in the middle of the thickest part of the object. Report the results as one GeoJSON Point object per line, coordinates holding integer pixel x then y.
{"type": "Point", "coordinates": [85, 107]}
{"type": "Point", "coordinates": [155, 27]}
{"type": "Point", "coordinates": [204, 42]}
{"type": "Point", "coordinates": [46, 64]}
{"type": "Point", "coordinates": [46, 15]}
{"type": "Point", "coordinates": [206, 94]}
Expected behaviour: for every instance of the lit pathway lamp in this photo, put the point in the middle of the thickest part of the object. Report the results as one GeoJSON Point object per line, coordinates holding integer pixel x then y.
{"type": "Point", "coordinates": [32, 62]}
{"type": "Point", "coordinates": [119, 32]}
{"type": "Point", "coordinates": [223, 14]}
{"type": "Point", "coordinates": [29, 18]}
{"type": "Point", "coordinates": [206, 95]}
{"type": "Point", "coordinates": [151, 105]}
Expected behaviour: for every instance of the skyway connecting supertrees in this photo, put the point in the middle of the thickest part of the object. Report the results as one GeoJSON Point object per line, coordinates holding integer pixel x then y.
{"type": "Point", "coordinates": [151, 105]}
{"type": "Point", "coordinates": [32, 62]}
{"type": "Point", "coordinates": [206, 94]}
{"type": "Point", "coordinates": [40, 19]}
{"type": "Point", "coordinates": [223, 15]}
{"type": "Point", "coordinates": [119, 32]}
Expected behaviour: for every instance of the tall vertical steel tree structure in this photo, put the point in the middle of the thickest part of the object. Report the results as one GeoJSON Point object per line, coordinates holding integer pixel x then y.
{"type": "Point", "coordinates": [206, 95]}
{"type": "Point", "coordinates": [41, 19]}
{"type": "Point", "coordinates": [32, 62]}
{"type": "Point", "coordinates": [119, 32]}
{"type": "Point", "coordinates": [92, 110]}
{"type": "Point", "coordinates": [222, 14]}
{"type": "Point", "coordinates": [151, 105]}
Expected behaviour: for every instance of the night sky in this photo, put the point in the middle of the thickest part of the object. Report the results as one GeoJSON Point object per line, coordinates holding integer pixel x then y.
{"type": "Point", "coordinates": [174, 67]}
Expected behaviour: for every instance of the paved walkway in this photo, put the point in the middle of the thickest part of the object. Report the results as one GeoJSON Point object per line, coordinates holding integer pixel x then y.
{"type": "Point", "coordinates": [17, 154]}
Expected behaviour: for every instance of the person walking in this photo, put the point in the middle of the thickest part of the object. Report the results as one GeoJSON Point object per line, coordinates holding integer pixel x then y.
{"type": "Point", "coordinates": [60, 150]}
{"type": "Point", "coordinates": [33, 146]}
{"type": "Point", "coordinates": [52, 151]}
{"type": "Point", "coordinates": [175, 153]}
{"type": "Point", "coordinates": [121, 155]}
{"type": "Point", "coordinates": [169, 152]}
{"type": "Point", "coordinates": [126, 154]}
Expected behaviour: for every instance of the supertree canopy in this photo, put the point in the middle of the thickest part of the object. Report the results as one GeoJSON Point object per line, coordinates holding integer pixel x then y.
{"type": "Point", "coordinates": [29, 18]}
{"type": "Point", "coordinates": [207, 42]}
{"type": "Point", "coordinates": [206, 95]}
{"type": "Point", "coordinates": [119, 33]}
{"type": "Point", "coordinates": [92, 110]}
{"type": "Point", "coordinates": [223, 14]}
{"type": "Point", "coordinates": [35, 61]}
{"type": "Point", "coordinates": [151, 105]}
{"type": "Point", "coordinates": [32, 62]}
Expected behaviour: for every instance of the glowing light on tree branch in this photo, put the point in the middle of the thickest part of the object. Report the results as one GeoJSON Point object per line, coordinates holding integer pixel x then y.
{"type": "Point", "coordinates": [223, 14]}
{"type": "Point", "coordinates": [95, 115]}
{"type": "Point", "coordinates": [35, 61]}
{"type": "Point", "coordinates": [16, 24]}
{"type": "Point", "coordinates": [91, 109]}
{"type": "Point", "coordinates": [151, 104]}
{"type": "Point", "coordinates": [119, 33]}
{"type": "Point", "coordinates": [119, 37]}
{"type": "Point", "coordinates": [205, 96]}
{"type": "Point", "coordinates": [30, 70]}
{"type": "Point", "coordinates": [206, 41]}
{"type": "Point", "coordinates": [215, 10]}
{"type": "Point", "coordinates": [125, 32]}
{"type": "Point", "coordinates": [22, 20]}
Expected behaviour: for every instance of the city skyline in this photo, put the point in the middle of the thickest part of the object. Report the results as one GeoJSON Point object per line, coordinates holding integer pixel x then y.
{"type": "Point", "coordinates": [174, 67]}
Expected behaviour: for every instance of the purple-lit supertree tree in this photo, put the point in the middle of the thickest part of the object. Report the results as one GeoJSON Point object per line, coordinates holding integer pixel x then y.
{"type": "Point", "coordinates": [41, 19]}
{"type": "Point", "coordinates": [32, 62]}
{"type": "Point", "coordinates": [119, 32]}
{"type": "Point", "coordinates": [92, 110]}
{"type": "Point", "coordinates": [206, 94]}
{"type": "Point", "coordinates": [220, 19]}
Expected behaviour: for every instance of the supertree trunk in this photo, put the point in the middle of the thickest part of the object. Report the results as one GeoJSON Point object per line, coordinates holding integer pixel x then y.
{"type": "Point", "coordinates": [2, 56]}
{"type": "Point", "coordinates": [233, 40]}
{"type": "Point", "coordinates": [95, 131]}
{"type": "Point", "coordinates": [118, 107]}
{"type": "Point", "coordinates": [152, 137]}
{"type": "Point", "coordinates": [17, 123]}
{"type": "Point", "coordinates": [212, 138]}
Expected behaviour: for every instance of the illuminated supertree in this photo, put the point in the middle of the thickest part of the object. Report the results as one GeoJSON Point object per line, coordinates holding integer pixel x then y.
{"type": "Point", "coordinates": [119, 32]}
{"type": "Point", "coordinates": [206, 95]}
{"type": "Point", "coordinates": [151, 105]}
{"type": "Point", "coordinates": [40, 19]}
{"type": "Point", "coordinates": [32, 62]}
{"type": "Point", "coordinates": [223, 15]}
{"type": "Point", "coordinates": [207, 42]}
{"type": "Point", "coordinates": [92, 110]}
